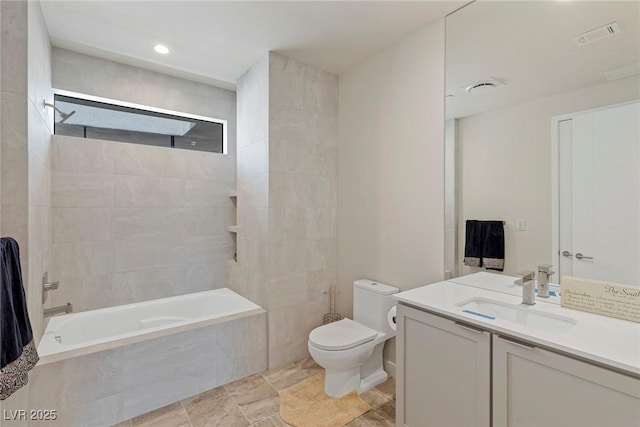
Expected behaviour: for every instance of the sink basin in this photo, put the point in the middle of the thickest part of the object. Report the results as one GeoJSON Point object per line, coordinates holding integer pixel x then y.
{"type": "Point", "coordinates": [523, 315]}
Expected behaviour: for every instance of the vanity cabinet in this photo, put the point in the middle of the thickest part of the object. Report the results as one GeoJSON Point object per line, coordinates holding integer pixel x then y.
{"type": "Point", "coordinates": [536, 387]}
{"type": "Point", "coordinates": [451, 374]}
{"type": "Point", "coordinates": [444, 371]}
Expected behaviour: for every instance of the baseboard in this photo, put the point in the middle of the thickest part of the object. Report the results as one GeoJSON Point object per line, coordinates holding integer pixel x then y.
{"type": "Point", "coordinates": [390, 367]}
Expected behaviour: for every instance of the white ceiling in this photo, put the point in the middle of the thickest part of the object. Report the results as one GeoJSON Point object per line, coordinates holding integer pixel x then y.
{"type": "Point", "coordinates": [216, 42]}
{"type": "Point", "coordinates": [529, 46]}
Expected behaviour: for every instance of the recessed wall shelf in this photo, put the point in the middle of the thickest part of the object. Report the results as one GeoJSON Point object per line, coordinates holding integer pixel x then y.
{"type": "Point", "coordinates": [233, 228]}
{"type": "Point", "coordinates": [233, 193]}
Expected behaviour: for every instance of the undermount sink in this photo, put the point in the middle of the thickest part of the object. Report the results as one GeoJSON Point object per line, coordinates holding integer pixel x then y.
{"type": "Point", "coordinates": [526, 316]}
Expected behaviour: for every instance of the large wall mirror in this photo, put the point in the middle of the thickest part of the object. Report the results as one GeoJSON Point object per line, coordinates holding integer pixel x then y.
{"type": "Point", "coordinates": [548, 140]}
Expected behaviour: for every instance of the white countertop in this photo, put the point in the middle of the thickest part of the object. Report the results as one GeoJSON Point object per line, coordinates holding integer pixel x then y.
{"type": "Point", "coordinates": [604, 340]}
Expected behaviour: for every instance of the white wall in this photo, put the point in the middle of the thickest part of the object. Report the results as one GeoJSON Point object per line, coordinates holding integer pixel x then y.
{"type": "Point", "coordinates": [505, 168]}
{"type": "Point", "coordinates": [391, 167]}
{"type": "Point", "coordinates": [450, 200]}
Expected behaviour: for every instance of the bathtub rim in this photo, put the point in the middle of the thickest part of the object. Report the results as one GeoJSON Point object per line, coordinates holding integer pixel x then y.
{"type": "Point", "coordinates": [151, 333]}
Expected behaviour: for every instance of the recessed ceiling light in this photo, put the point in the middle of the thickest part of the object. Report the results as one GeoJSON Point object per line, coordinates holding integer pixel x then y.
{"type": "Point", "coordinates": [161, 49]}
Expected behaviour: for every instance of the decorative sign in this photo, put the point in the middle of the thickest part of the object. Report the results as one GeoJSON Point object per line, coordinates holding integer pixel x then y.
{"type": "Point", "coordinates": [605, 298]}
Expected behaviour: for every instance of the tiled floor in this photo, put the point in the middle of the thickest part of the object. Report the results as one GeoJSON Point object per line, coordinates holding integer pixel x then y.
{"type": "Point", "coordinates": [254, 401]}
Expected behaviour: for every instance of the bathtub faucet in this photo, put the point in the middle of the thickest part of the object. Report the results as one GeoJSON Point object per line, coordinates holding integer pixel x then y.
{"type": "Point", "coordinates": [67, 308]}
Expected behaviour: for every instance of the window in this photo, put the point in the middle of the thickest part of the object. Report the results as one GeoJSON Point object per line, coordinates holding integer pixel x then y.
{"type": "Point", "coordinates": [118, 121]}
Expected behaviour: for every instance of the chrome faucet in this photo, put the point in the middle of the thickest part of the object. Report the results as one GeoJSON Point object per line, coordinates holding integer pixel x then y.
{"type": "Point", "coordinates": [528, 287]}
{"type": "Point", "coordinates": [544, 272]}
{"type": "Point", "coordinates": [67, 308]}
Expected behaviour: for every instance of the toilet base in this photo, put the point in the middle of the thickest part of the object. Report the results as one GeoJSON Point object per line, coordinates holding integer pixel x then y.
{"type": "Point", "coordinates": [372, 380]}
{"type": "Point", "coordinates": [360, 378]}
{"type": "Point", "coordinates": [337, 384]}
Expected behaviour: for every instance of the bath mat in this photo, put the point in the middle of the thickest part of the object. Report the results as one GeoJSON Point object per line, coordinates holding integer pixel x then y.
{"type": "Point", "coordinates": [306, 405]}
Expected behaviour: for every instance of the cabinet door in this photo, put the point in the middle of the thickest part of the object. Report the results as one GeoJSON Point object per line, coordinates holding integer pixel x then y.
{"type": "Point", "coordinates": [443, 371]}
{"type": "Point", "coordinates": [536, 387]}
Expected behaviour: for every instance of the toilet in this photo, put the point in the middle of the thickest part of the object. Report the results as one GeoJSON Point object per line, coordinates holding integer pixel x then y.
{"type": "Point", "coordinates": [350, 351]}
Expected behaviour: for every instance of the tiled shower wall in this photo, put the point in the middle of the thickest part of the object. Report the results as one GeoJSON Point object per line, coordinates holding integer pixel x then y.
{"type": "Point", "coordinates": [287, 198]}
{"type": "Point", "coordinates": [135, 222]}
{"type": "Point", "coordinates": [25, 134]}
{"type": "Point", "coordinates": [249, 276]}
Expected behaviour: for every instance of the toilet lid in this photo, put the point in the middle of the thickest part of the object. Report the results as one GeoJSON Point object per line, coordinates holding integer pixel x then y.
{"type": "Point", "coordinates": [341, 335]}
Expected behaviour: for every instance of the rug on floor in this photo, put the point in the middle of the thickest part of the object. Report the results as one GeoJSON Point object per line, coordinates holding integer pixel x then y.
{"type": "Point", "coordinates": [306, 405]}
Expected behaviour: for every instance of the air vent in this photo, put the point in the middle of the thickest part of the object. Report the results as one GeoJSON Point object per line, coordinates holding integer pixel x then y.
{"type": "Point", "coordinates": [597, 34]}
{"type": "Point", "coordinates": [483, 85]}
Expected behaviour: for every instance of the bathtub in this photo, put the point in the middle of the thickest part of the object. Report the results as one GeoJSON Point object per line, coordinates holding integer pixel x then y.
{"type": "Point", "coordinates": [105, 366]}
{"type": "Point", "coordinates": [86, 332]}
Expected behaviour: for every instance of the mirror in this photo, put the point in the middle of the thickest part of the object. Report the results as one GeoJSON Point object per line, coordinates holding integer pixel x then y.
{"type": "Point", "coordinates": [511, 68]}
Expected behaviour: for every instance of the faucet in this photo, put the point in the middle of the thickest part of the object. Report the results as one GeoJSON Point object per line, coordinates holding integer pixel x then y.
{"type": "Point", "coordinates": [528, 287]}
{"type": "Point", "coordinates": [48, 286]}
{"type": "Point", "coordinates": [67, 308]}
{"type": "Point", "coordinates": [544, 272]}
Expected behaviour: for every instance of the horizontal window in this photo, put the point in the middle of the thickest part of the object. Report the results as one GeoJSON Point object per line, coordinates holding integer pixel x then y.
{"type": "Point", "coordinates": [91, 118]}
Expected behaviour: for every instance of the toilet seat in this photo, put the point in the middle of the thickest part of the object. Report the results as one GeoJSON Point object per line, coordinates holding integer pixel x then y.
{"type": "Point", "coordinates": [341, 335]}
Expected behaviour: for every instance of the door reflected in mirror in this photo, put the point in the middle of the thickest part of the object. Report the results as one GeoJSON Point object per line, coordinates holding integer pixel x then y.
{"type": "Point", "coordinates": [514, 70]}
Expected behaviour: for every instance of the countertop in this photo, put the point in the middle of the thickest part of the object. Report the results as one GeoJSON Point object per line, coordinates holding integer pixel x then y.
{"type": "Point", "coordinates": [604, 340]}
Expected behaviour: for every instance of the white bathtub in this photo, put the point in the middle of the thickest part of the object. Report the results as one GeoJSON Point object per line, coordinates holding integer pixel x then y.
{"type": "Point", "coordinates": [90, 331]}
{"type": "Point", "coordinates": [105, 366]}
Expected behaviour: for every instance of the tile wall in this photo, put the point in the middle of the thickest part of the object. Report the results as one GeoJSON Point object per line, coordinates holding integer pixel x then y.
{"type": "Point", "coordinates": [25, 132]}
{"type": "Point", "coordinates": [85, 74]}
{"type": "Point", "coordinates": [303, 164]}
{"type": "Point", "coordinates": [110, 386]}
{"type": "Point", "coordinates": [135, 222]}
{"type": "Point", "coordinates": [249, 276]}
{"type": "Point", "coordinates": [287, 198]}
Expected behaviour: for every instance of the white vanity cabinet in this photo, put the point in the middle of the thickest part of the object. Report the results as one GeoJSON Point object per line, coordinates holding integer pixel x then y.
{"type": "Point", "coordinates": [536, 387]}
{"type": "Point", "coordinates": [444, 371]}
{"type": "Point", "coordinates": [451, 374]}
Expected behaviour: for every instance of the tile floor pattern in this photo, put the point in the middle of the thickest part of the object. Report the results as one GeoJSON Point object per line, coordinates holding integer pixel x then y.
{"type": "Point", "coordinates": [254, 401]}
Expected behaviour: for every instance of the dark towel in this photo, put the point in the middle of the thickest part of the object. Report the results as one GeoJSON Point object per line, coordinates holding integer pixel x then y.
{"type": "Point", "coordinates": [493, 245]}
{"type": "Point", "coordinates": [17, 351]}
{"type": "Point", "coordinates": [473, 244]}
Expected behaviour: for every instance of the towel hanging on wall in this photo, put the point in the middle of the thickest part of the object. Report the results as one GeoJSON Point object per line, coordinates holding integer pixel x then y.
{"type": "Point", "coordinates": [484, 244]}
{"type": "Point", "coordinates": [473, 244]}
{"type": "Point", "coordinates": [493, 245]}
{"type": "Point", "coordinates": [18, 353]}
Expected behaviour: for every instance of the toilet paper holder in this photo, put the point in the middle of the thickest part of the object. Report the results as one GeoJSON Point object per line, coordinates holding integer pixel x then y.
{"type": "Point", "coordinates": [391, 317]}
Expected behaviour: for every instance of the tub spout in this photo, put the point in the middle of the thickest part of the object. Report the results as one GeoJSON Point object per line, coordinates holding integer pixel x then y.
{"type": "Point", "coordinates": [67, 308]}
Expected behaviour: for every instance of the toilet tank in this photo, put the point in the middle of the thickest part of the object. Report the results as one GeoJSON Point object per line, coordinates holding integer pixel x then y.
{"type": "Point", "coordinates": [371, 303]}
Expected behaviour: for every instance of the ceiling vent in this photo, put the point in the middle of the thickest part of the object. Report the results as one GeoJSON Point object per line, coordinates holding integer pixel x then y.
{"type": "Point", "coordinates": [483, 85]}
{"type": "Point", "coordinates": [597, 34]}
